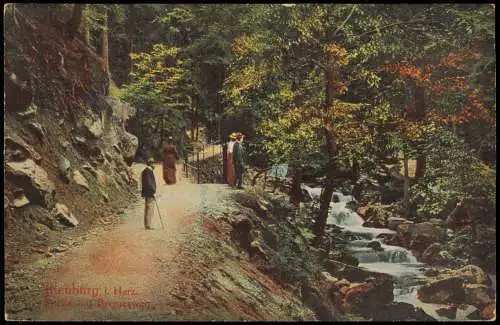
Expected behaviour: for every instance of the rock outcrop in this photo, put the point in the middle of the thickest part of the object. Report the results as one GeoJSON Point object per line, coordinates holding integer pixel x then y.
{"type": "Point", "coordinates": [35, 181]}
{"type": "Point", "coordinates": [59, 118]}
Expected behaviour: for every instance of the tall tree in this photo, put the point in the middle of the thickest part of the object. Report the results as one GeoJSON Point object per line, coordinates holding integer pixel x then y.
{"type": "Point", "coordinates": [76, 19]}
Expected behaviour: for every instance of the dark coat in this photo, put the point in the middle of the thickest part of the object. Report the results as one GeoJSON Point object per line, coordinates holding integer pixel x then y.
{"type": "Point", "coordinates": [239, 156]}
{"type": "Point", "coordinates": [148, 183]}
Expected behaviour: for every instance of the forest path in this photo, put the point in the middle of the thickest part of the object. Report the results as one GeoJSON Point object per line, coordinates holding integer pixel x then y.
{"type": "Point", "coordinates": [130, 272]}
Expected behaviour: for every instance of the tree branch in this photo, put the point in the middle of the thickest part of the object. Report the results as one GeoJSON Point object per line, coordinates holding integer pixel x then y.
{"type": "Point", "coordinates": [345, 21]}
{"type": "Point", "coordinates": [390, 25]}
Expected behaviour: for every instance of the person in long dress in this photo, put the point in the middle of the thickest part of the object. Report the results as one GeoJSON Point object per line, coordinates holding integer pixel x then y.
{"type": "Point", "coordinates": [229, 158]}
{"type": "Point", "coordinates": [170, 156]}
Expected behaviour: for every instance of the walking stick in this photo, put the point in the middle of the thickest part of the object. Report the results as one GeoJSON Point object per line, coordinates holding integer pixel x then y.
{"type": "Point", "coordinates": [163, 227]}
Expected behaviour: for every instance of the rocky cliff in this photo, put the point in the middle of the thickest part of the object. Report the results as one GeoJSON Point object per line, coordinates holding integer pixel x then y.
{"type": "Point", "coordinates": [65, 145]}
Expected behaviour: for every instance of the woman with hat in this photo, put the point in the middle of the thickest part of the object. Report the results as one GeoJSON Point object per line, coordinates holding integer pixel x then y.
{"type": "Point", "coordinates": [229, 159]}
{"type": "Point", "coordinates": [170, 156]}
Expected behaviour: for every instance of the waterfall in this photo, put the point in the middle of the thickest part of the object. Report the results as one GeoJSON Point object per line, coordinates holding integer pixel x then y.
{"type": "Point", "coordinates": [352, 224]}
{"type": "Point", "coordinates": [389, 259]}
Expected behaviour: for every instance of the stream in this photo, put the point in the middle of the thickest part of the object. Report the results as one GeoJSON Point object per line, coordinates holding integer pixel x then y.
{"type": "Point", "coordinates": [393, 260]}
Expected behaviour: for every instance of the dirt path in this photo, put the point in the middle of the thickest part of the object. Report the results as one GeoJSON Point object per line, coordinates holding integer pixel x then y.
{"type": "Point", "coordinates": [191, 270]}
{"type": "Point", "coordinates": [128, 273]}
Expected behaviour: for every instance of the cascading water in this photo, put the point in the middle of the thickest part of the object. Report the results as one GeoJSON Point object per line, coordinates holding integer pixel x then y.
{"type": "Point", "coordinates": [389, 259]}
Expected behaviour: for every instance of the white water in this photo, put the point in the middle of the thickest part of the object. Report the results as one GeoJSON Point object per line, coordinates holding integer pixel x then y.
{"type": "Point", "coordinates": [393, 260]}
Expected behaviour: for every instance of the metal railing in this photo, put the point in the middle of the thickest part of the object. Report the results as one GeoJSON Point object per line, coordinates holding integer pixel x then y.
{"type": "Point", "coordinates": [196, 161]}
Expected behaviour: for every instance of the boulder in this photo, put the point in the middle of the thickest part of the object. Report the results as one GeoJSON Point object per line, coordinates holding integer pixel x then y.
{"type": "Point", "coordinates": [389, 239]}
{"type": "Point", "coordinates": [375, 245]}
{"type": "Point", "coordinates": [124, 176]}
{"type": "Point", "coordinates": [376, 215]}
{"type": "Point", "coordinates": [489, 312]}
{"type": "Point", "coordinates": [35, 181]}
{"type": "Point", "coordinates": [97, 155]}
{"type": "Point", "coordinates": [364, 298]}
{"type": "Point", "coordinates": [328, 278]}
{"type": "Point", "coordinates": [343, 257]}
{"type": "Point", "coordinates": [352, 205]}
{"type": "Point", "coordinates": [420, 235]}
{"type": "Point", "coordinates": [19, 202]}
{"type": "Point", "coordinates": [475, 315]}
{"type": "Point", "coordinates": [102, 178]}
{"type": "Point", "coordinates": [93, 127]}
{"type": "Point", "coordinates": [62, 213]}
{"type": "Point", "coordinates": [449, 312]}
{"type": "Point", "coordinates": [104, 195]}
{"type": "Point", "coordinates": [363, 212]}
{"type": "Point", "coordinates": [241, 231]}
{"type": "Point", "coordinates": [445, 291]}
{"type": "Point", "coordinates": [129, 144]}
{"type": "Point", "coordinates": [117, 149]}
{"type": "Point", "coordinates": [80, 140]}
{"type": "Point", "coordinates": [108, 156]}
{"type": "Point", "coordinates": [64, 167]}
{"type": "Point", "coordinates": [478, 295]}
{"type": "Point", "coordinates": [30, 111]}
{"type": "Point", "coordinates": [38, 129]}
{"type": "Point", "coordinates": [431, 272]}
{"type": "Point", "coordinates": [64, 144]}
{"type": "Point", "coordinates": [444, 258]}
{"type": "Point", "coordinates": [472, 274]}
{"type": "Point", "coordinates": [91, 169]}
{"type": "Point", "coordinates": [400, 311]}
{"type": "Point", "coordinates": [353, 273]}
{"type": "Point", "coordinates": [394, 222]}
{"type": "Point", "coordinates": [80, 180]}
{"type": "Point", "coordinates": [342, 283]}
{"type": "Point", "coordinates": [20, 150]}
{"type": "Point", "coordinates": [120, 109]}
{"type": "Point", "coordinates": [431, 253]}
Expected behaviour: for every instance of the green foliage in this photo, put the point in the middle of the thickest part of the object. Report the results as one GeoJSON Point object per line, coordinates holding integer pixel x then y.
{"type": "Point", "coordinates": [454, 173]}
{"type": "Point", "coordinates": [261, 69]}
{"type": "Point", "coordinates": [159, 91]}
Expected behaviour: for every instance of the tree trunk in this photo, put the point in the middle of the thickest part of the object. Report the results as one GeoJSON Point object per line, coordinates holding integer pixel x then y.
{"type": "Point", "coordinates": [406, 187]}
{"type": "Point", "coordinates": [332, 80]}
{"type": "Point", "coordinates": [419, 114]}
{"type": "Point", "coordinates": [356, 170]}
{"type": "Point", "coordinates": [193, 113]}
{"type": "Point", "coordinates": [295, 191]}
{"type": "Point", "coordinates": [326, 194]}
{"type": "Point", "coordinates": [195, 120]}
{"type": "Point", "coordinates": [131, 34]}
{"type": "Point", "coordinates": [76, 20]}
{"type": "Point", "coordinates": [105, 44]}
{"type": "Point", "coordinates": [86, 31]}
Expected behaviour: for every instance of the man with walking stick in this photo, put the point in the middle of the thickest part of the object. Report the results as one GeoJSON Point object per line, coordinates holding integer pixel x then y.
{"type": "Point", "coordinates": [148, 183]}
